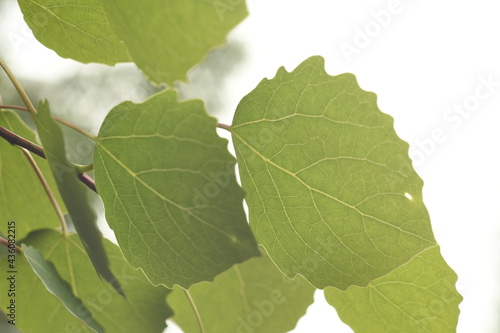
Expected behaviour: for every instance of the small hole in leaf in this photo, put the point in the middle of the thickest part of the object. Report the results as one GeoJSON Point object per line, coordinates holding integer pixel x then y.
{"type": "Point", "coordinates": [408, 195]}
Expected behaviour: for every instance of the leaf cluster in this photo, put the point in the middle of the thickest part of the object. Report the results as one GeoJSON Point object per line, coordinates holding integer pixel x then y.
{"type": "Point", "coordinates": [333, 201]}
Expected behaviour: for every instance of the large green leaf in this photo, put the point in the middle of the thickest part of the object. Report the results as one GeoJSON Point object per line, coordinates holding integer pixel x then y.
{"type": "Point", "coordinates": [251, 297]}
{"type": "Point", "coordinates": [169, 190]}
{"type": "Point", "coordinates": [419, 296]}
{"type": "Point", "coordinates": [76, 29]}
{"type": "Point", "coordinates": [144, 309]}
{"type": "Point", "coordinates": [331, 191]}
{"type": "Point", "coordinates": [168, 37]}
{"type": "Point", "coordinates": [73, 192]}
{"type": "Point", "coordinates": [22, 197]}
{"type": "Point", "coordinates": [59, 287]}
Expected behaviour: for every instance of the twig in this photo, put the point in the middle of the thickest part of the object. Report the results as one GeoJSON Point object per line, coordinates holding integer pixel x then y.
{"type": "Point", "coordinates": [47, 189]}
{"type": "Point", "coordinates": [16, 140]}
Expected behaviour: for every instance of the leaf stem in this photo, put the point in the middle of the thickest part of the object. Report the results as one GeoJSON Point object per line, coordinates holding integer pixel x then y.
{"type": "Point", "coordinates": [84, 168]}
{"type": "Point", "coordinates": [59, 120]}
{"type": "Point", "coordinates": [19, 141]}
{"type": "Point", "coordinates": [46, 186]}
{"type": "Point", "coordinates": [76, 128]}
{"type": "Point", "coordinates": [19, 88]}
{"type": "Point", "coordinates": [195, 309]}
{"type": "Point", "coordinates": [224, 126]}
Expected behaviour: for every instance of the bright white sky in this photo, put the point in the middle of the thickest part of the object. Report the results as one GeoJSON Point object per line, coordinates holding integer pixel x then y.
{"type": "Point", "coordinates": [426, 61]}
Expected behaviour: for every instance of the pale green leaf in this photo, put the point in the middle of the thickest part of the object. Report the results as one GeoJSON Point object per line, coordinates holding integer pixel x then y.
{"type": "Point", "coordinates": [73, 192]}
{"type": "Point", "coordinates": [169, 191]}
{"type": "Point", "coordinates": [76, 29]}
{"type": "Point", "coordinates": [22, 197]}
{"type": "Point", "coordinates": [59, 287]}
{"type": "Point", "coordinates": [251, 297]}
{"type": "Point", "coordinates": [168, 37]}
{"type": "Point", "coordinates": [144, 309]}
{"type": "Point", "coordinates": [418, 296]}
{"type": "Point", "coordinates": [330, 187]}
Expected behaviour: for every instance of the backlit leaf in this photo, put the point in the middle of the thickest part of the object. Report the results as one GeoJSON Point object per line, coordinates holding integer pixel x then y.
{"type": "Point", "coordinates": [168, 37]}
{"type": "Point", "coordinates": [252, 297]}
{"type": "Point", "coordinates": [169, 191]}
{"type": "Point", "coordinates": [419, 296]}
{"type": "Point", "coordinates": [76, 29]}
{"type": "Point", "coordinates": [331, 191]}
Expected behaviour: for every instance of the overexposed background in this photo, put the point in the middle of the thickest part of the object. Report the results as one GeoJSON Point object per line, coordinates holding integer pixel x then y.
{"type": "Point", "coordinates": [426, 60]}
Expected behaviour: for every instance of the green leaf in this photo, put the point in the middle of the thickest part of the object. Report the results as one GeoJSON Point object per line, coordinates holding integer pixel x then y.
{"type": "Point", "coordinates": [252, 297]}
{"type": "Point", "coordinates": [418, 296]}
{"type": "Point", "coordinates": [169, 191]}
{"type": "Point", "coordinates": [39, 311]}
{"type": "Point", "coordinates": [76, 29]}
{"type": "Point", "coordinates": [166, 37]}
{"type": "Point", "coordinates": [59, 287]}
{"type": "Point", "coordinates": [73, 192]}
{"type": "Point", "coordinates": [331, 191]}
{"type": "Point", "coordinates": [35, 309]}
{"type": "Point", "coordinates": [22, 197]}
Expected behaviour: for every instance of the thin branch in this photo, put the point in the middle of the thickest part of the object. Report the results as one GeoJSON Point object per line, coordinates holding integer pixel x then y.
{"type": "Point", "coordinates": [19, 89]}
{"type": "Point", "coordinates": [18, 141]}
{"type": "Point", "coordinates": [59, 120]}
{"type": "Point", "coordinates": [47, 189]}
{"type": "Point", "coordinates": [195, 309]}
{"type": "Point", "coordinates": [224, 126]}
{"type": "Point", "coordinates": [76, 128]}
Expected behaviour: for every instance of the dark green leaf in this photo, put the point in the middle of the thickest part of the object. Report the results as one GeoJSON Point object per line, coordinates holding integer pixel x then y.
{"type": "Point", "coordinates": [57, 286]}
{"type": "Point", "coordinates": [73, 192]}
{"type": "Point", "coordinates": [144, 309]}
{"type": "Point", "coordinates": [168, 186]}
